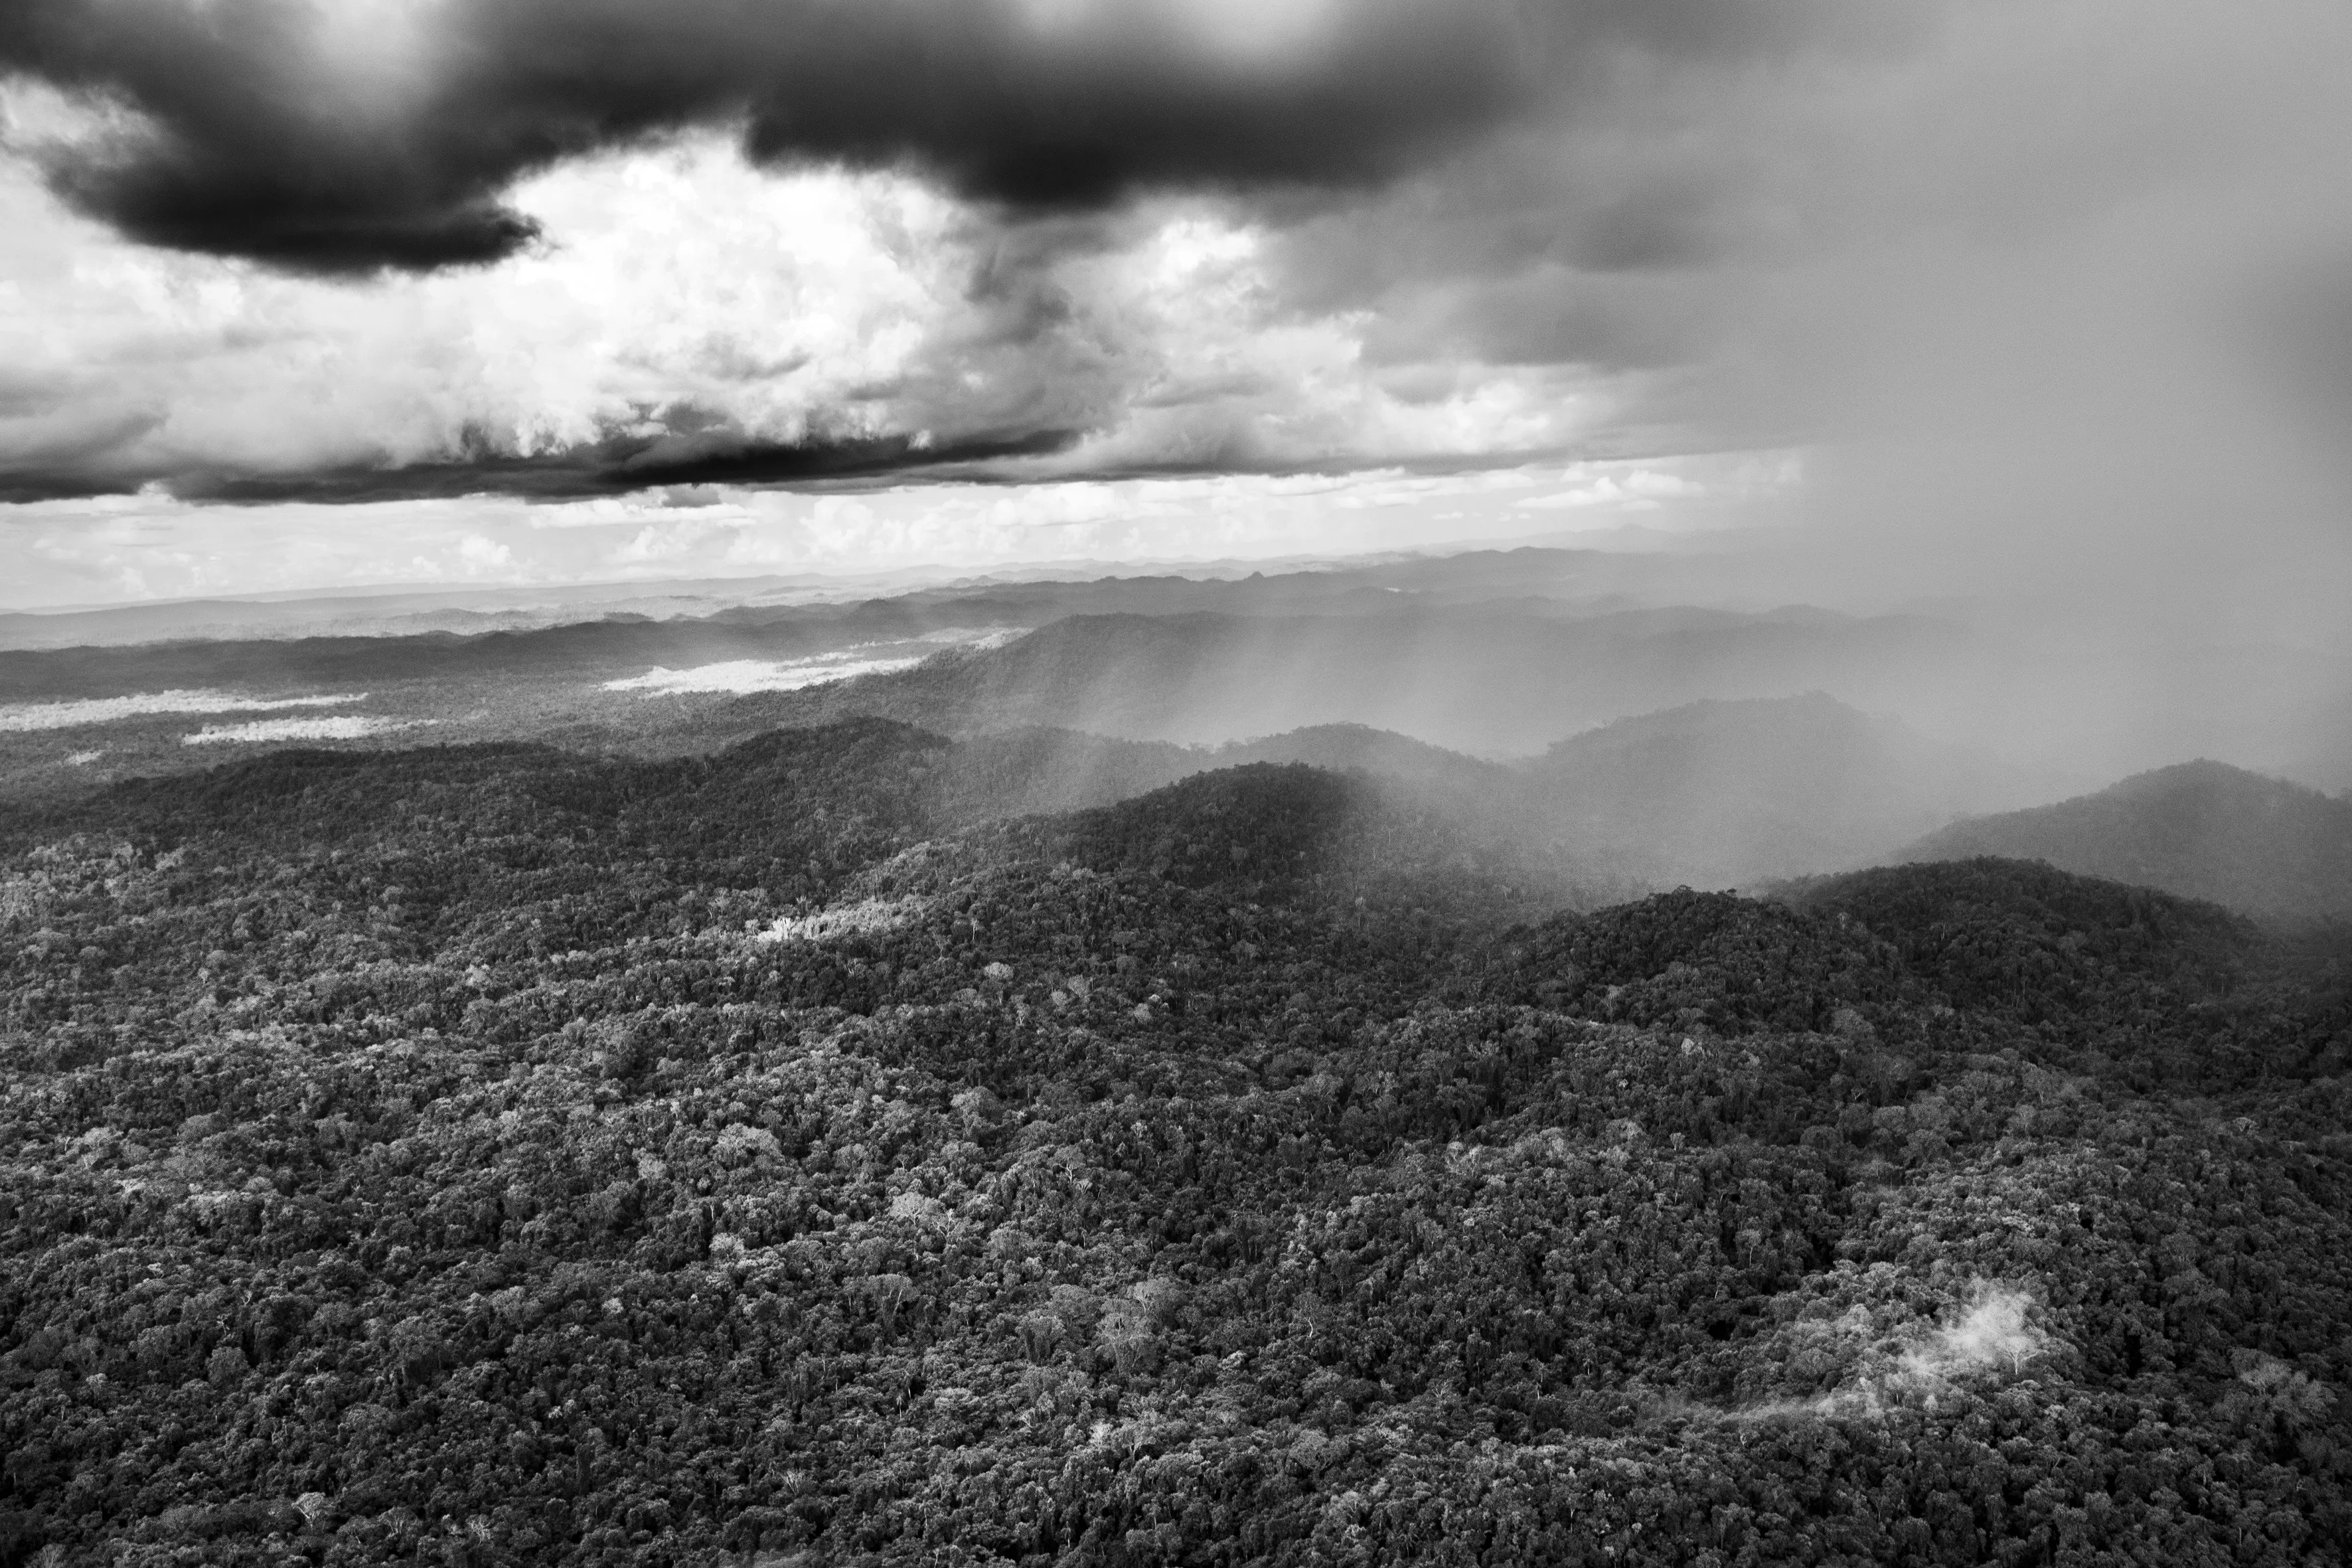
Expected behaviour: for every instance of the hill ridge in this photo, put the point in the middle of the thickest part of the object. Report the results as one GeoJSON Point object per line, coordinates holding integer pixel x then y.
{"type": "Point", "coordinates": [2203, 828]}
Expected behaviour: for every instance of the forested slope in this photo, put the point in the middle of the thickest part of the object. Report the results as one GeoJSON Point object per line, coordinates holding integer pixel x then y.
{"type": "Point", "coordinates": [1736, 793]}
{"type": "Point", "coordinates": [499, 1156]}
{"type": "Point", "coordinates": [2204, 829]}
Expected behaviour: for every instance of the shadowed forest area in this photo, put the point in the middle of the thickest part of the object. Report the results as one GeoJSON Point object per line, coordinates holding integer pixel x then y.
{"type": "Point", "coordinates": [493, 1154]}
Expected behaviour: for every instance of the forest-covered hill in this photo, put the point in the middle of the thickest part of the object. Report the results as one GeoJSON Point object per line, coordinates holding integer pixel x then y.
{"type": "Point", "coordinates": [1736, 793]}
{"type": "Point", "coordinates": [500, 1156]}
{"type": "Point", "coordinates": [2204, 829]}
{"type": "Point", "coordinates": [1712, 793]}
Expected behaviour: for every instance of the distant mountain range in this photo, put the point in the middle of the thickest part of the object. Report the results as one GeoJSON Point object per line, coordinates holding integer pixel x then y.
{"type": "Point", "coordinates": [1567, 579]}
{"type": "Point", "coordinates": [1686, 759]}
{"type": "Point", "coordinates": [2204, 829]}
{"type": "Point", "coordinates": [1165, 659]}
{"type": "Point", "coordinates": [1492, 678]}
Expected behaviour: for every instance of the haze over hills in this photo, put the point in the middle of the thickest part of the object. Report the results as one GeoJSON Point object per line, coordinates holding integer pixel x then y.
{"type": "Point", "coordinates": [1716, 794]}
{"type": "Point", "coordinates": [1735, 793]}
{"type": "Point", "coordinates": [1481, 679]}
{"type": "Point", "coordinates": [2202, 829]}
{"type": "Point", "coordinates": [606, 675]}
{"type": "Point", "coordinates": [1565, 579]}
{"type": "Point", "coordinates": [1565, 700]}
{"type": "Point", "coordinates": [1040, 769]}
{"type": "Point", "coordinates": [1309, 649]}
{"type": "Point", "coordinates": [1498, 653]}
{"type": "Point", "coordinates": [1510, 674]}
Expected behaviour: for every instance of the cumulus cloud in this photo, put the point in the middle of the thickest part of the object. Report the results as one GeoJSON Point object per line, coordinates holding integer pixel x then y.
{"type": "Point", "coordinates": [701, 321]}
{"type": "Point", "coordinates": [699, 313]}
{"type": "Point", "coordinates": [2053, 291]}
{"type": "Point", "coordinates": [757, 244]}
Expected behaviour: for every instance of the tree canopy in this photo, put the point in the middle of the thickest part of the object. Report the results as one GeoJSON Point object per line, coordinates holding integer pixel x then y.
{"type": "Point", "coordinates": [496, 1155]}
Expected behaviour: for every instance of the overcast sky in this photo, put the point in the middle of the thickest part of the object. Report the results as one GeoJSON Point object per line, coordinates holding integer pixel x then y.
{"type": "Point", "coordinates": [299, 292]}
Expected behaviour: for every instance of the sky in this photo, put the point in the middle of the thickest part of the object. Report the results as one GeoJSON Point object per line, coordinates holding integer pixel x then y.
{"type": "Point", "coordinates": [1964, 296]}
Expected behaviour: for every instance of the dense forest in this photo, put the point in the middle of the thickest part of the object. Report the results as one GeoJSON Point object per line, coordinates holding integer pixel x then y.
{"type": "Point", "coordinates": [500, 1155]}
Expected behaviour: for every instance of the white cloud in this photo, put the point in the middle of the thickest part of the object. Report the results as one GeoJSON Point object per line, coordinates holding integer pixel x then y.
{"type": "Point", "coordinates": [671, 276]}
{"type": "Point", "coordinates": [820, 303]}
{"type": "Point", "coordinates": [1991, 1335]}
{"type": "Point", "coordinates": [1643, 489]}
{"type": "Point", "coordinates": [745, 675]}
{"type": "Point", "coordinates": [483, 554]}
{"type": "Point", "coordinates": [28, 716]}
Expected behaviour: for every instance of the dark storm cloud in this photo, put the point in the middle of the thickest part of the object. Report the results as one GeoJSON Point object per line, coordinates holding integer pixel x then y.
{"type": "Point", "coordinates": [381, 136]}
{"type": "Point", "coordinates": [611, 467]}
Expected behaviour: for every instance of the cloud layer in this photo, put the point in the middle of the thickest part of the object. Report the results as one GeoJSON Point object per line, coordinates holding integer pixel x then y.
{"type": "Point", "coordinates": [27, 716]}
{"type": "Point", "coordinates": [154, 547]}
{"type": "Point", "coordinates": [2053, 288]}
{"type": "Point", "coordinates": [594, 245]}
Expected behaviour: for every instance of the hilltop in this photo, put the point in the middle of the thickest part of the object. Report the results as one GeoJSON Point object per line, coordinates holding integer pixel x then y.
{"type": "Point", "coordinates": [2204, 829]}
{"type": "Point", "coordinates": [1738, 792]}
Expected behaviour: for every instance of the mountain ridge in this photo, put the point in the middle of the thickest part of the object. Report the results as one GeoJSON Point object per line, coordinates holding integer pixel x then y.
{"type": "Point", "coordinates": [1733, 792]}
{"type": "Point", "coordinates": [2202, 828]}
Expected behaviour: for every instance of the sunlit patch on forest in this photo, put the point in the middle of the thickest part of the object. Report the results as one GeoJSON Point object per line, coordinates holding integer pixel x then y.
{"type": "Point", "coordinates": [341, 727]}
{"type": "Point", "coordinates": [866, 917]}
